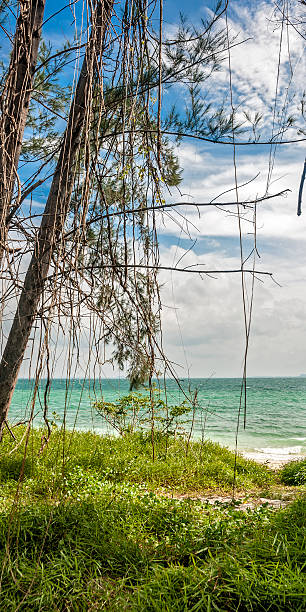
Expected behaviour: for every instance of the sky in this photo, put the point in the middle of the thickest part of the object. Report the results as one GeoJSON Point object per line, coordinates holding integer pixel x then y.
{"type": "Point", "coordinates": [203, 320]}
{"type": "Point", "coordinates": [209, 313]}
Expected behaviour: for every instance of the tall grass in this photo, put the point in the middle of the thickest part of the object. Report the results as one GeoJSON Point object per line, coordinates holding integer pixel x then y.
{"type": "Point", "coordinates": [121, 547]}
{"type": "Point", "coordinates": [84, 530]}
{"type": "Point", "coordinates": [294, 473]}
{"type": "Point", "coordinates": [127, 459]}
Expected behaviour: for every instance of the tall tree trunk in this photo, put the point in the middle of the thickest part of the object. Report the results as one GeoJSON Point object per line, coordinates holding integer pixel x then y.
{"type": "Point", "coordinates": [15, 101]}
{"type": "Point", "coordinates": [55, 214]}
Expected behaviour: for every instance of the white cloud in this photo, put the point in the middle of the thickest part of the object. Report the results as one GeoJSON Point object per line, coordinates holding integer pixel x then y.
{"type": "Point", "coordinates": [206, 325]}
{"type": "Point", "coordinates": [206, 176]}
{"type": "Point", "coordinates": [203, 320]}
{"type": "Point", "coordinates": [272, 59]}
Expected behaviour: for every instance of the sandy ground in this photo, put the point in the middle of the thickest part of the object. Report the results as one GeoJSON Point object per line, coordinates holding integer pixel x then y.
{"type": "Point", "coordinates": [281, 499]}
{"type": "Point", "coordinates": [241, 501]}
{"type": "Point", "coordinates": [274, 461]}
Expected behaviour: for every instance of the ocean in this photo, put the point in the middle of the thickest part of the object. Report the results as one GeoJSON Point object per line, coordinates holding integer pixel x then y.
{"type": "Point", "coordinates": [275, 419]}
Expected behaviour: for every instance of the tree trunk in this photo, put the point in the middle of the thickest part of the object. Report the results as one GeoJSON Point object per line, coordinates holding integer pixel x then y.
{"type": "Point", "coordinates": [55, 214]}
{"type": "Point", "coordinates": [15, 101]}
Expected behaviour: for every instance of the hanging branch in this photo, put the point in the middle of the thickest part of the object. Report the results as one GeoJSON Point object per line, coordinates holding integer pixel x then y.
{"type": "Point", "coordinates": [55, 213]}
{"type": "Point", "coordinates": [299, 208]}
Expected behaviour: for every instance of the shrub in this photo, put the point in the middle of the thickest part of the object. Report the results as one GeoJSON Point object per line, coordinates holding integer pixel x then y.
{"type": "Point", "coordinates": [294, 473]}
{"type": "Point", "coordinates": [134, 412]}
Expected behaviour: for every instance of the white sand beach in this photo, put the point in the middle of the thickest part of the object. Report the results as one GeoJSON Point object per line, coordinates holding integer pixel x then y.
{"type": "Point", "coordinates": [275, 457]}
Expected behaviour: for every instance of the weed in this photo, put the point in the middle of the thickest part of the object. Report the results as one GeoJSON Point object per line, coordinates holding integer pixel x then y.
{"type": "Point", "coordinates": [126, 459]}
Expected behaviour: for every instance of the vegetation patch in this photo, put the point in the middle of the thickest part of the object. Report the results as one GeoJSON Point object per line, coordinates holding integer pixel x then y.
{"type": "Point", "coordinates": [177, 465]}
{"type": "Point", "coordinates": [121, 546]}
{"type": "Point", "coordinates": [81, 528]}
{"type": "Point", "coordinates": [294, 473]}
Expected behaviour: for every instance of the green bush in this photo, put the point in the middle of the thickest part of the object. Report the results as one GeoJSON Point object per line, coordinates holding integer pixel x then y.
{"type": "Point", "coordinates": [135, 412]}
{"type": "Point", "coordinates": [294, 473]}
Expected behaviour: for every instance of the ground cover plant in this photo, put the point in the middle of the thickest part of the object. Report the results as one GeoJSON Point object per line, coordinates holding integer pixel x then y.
{"type": "Point", "coordinates": [84, 526]}
{"type": "Point", "coordinates": [176, 466]}
{"type": "Point", "coordinates": [112, 546]}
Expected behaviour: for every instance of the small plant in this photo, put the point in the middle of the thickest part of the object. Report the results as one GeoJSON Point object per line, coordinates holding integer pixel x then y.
{"type": "Point", "coordinates": [133, 412]}
{"type": "Point", "coordinates": [80, 483]}
{"type": "Point", "coordinates": [294, 473]}
{"type": "Point", "coordinates": [125, 415]}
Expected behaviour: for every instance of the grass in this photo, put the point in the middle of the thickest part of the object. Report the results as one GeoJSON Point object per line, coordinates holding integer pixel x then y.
{"type": "Point", "coordinates": [206, 467]}
{"type": "Point", "coordinates": [294, 473]}
{"type": "Point", "coordinates": [87, 531]}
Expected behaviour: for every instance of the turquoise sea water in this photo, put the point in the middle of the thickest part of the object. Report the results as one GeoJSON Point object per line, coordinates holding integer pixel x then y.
{"type": "Point", "coordinates": [276, 409]}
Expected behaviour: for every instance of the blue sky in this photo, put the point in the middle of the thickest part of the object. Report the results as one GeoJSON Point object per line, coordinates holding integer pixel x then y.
{"type": "Point", "coordinates": [203, 318]}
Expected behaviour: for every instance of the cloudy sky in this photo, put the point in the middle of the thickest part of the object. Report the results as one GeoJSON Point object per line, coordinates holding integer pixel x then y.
{"type": "Point", "coordinates": [203, 325]}
{"type": "Point", "coordinates": [203, 318]}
